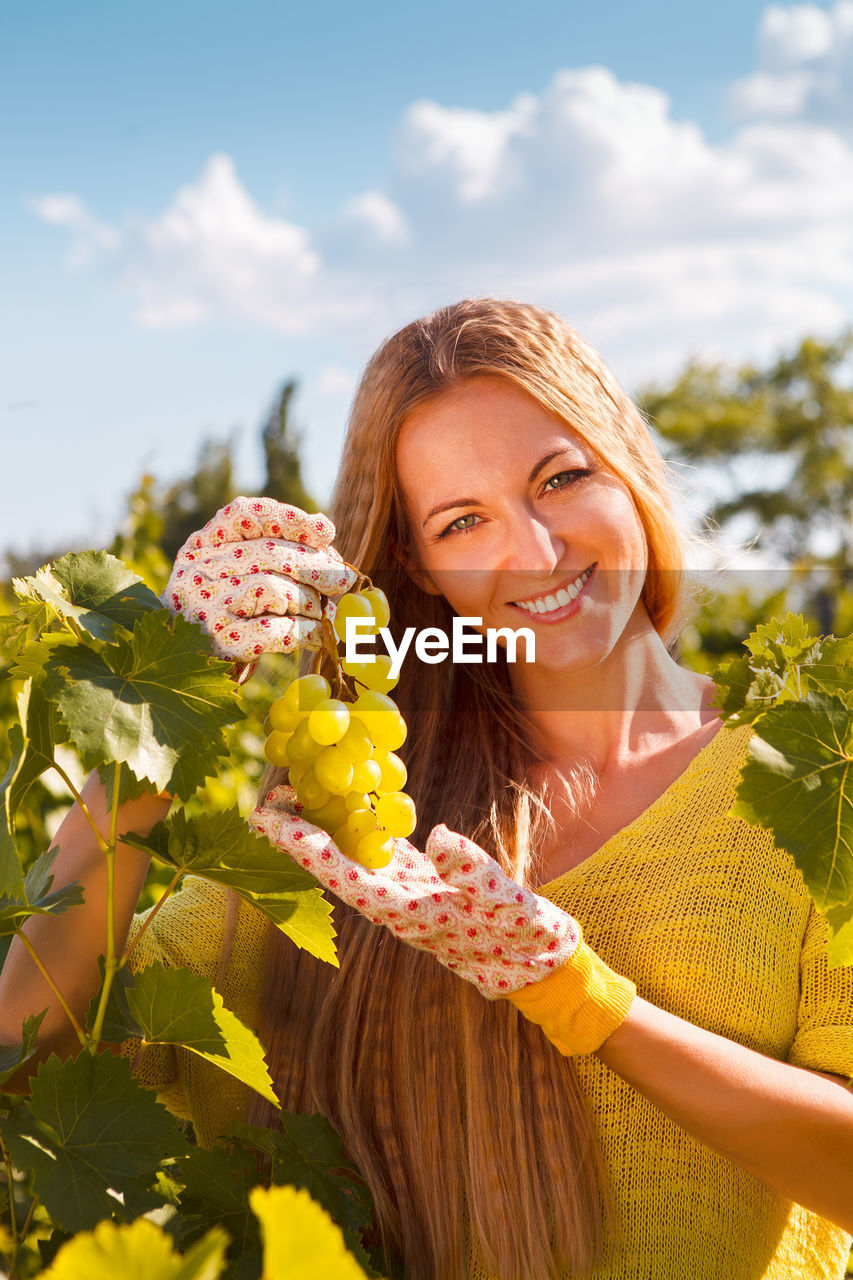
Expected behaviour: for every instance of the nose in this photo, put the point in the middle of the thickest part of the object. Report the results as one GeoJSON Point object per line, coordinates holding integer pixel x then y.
{"type": "Point", "coordinates": [533, 547]}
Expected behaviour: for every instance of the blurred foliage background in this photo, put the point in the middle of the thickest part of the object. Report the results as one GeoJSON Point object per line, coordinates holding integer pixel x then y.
{"type": "Point", "coordinates": [770, 451]}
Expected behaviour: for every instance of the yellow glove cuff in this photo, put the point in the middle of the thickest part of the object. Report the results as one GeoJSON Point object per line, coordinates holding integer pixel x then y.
{"type": "Point", "coordinates": [578, 1005]}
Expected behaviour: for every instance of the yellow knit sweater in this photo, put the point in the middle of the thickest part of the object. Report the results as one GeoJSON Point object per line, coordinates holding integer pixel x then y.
{"type": "Point", "coordinates": [713, 923]}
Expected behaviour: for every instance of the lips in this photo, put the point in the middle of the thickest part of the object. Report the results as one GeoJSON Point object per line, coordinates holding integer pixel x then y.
{"type": "Point", "coordinates": [550, 602]}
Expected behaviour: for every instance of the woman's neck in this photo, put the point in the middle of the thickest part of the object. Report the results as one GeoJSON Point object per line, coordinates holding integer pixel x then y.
{"type": "Point", "coordinates": [635, 703]}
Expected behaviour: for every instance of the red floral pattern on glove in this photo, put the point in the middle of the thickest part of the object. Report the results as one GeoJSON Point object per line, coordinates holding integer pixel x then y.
{"type": "Point", "coordinates": [453, 900]}
{"type": "Point", "coordinates": [244, 578]}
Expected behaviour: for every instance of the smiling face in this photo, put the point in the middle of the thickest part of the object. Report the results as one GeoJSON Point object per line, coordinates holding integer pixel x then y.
{"type": "Point", "coordinates": [513, 519]}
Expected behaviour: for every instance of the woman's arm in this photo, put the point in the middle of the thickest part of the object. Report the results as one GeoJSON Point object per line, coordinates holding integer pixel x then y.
{"type": "Point", "coordinates": [790, 1127]}
{"type": "Point", "coordinates": [69, 944]}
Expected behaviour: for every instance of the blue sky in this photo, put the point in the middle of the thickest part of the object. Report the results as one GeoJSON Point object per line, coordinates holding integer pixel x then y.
{"type": "Point", "coordinates": [200, 200]}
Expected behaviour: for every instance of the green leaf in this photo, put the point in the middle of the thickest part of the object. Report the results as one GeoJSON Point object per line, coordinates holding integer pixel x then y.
{"type": "Point", "coordinates": [15, 1055]}
{"type": "Point", "coordinates": [139, 1251]}
{"type": "Point", "coordinates": [840, 948]}
{"type": "Point", "coordinates": [782, 643]}
{"type": "Point", "coordinates": [42, 731]}
{"type": "Point", "coordinates": [301, 1242]}
{"type": "Point", "coordinates": [156, 700]}
{"type": "Point", "coordinates": [307, 1153]}
{"type": "Point", "coordinates": [38, 897]}
{"type": "Point", "coordinates": [94, 589]}
{"type": "Point", "coordinates": [797, 783]}
{"type": "Point", "coordinates": [119, 1023]}
{"type": "Point", "coordinates": [89, 1131]}
{"type": "Point", "coordinates": [176, 1006]}
{"type": "Point", "coordinates": [833, 671]}
{"type": "Point", "coordinates": [223, 847]}
{"type": "Point", "coordinates": [745, 691]}
{"type": "Point", "coordinates": [11, 871]}
{"type": "Point", "coordinates": [32, 744]}
{"type": "Point", "coordinates": [217, 1181]}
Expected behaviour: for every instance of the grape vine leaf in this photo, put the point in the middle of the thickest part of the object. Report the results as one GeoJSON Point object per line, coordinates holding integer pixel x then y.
{"type": "Point", "coordinates": [832, 673]}
{"type": "Point", "coordinates": [38, 897]}
{"type": "Point", "coordinates": [746, 690]}
{"type": "Point", "coordinates": [32, 742]}
{"type": "Point", "coordinates": [93, 588]}
{"type": "Point", "coordinates": [119, 1024]}
{"type": "Point", "coordinates": [783, 643]}
{"type": "Point", "coordinates": [11, 871]}
{"type": "Point", "coordinates": [840, 948]}
{"type": "Point", "coordinates": [139, 1250]}
{"type": "Point", "coordinates": [798, 781]}
{"type": "Point", "coordinates": [156, 700]}
{"type": "Point", "coordinates": [301, 1241]}
{"type": "Point", "coordinates": [307, 1153]}
{"type": "Point", "coordinates": [176, 1006]}
{"type": "Point", "coordinates": [43, 730]}
{"type": "Point", "coordinates": [216, 1184]}
{"type": "Point", "coordinates": [221, 846]}
{"type": "Point", "coordinates": [89, 1131]}
{"type": "Point", "coordinates": [13, 1056]}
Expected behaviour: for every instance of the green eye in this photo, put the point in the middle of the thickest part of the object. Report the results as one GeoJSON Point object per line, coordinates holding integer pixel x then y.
{"type": "Point", "coordinates": [457, 525]}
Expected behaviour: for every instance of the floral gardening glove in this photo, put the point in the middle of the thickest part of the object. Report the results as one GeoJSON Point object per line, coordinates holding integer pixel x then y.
{"type": "Point", "coordinates": [254, 576]}
{"type": "Point", "coordinates": [456, 902]}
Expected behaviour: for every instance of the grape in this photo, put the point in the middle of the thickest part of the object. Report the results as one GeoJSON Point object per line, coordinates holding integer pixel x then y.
{"type": "Point", "coordinates": [389, 732]}
{"type": "Point", "coordinates": [395, 811]}
{"type": "Point", "coordinates": [284, 717]}
{"type": "Point", "coordinates": [275, 748]}
{"type": "Point", "coordinates": [371, 701]}
{"type": "Point", "coordinates": [353, 606]}
{"type": "Point", "coordinates": [375, 675]}
{"type": "Point", "coordinates": [379, 605]}
{"type": "Point", "coordinates": [340, 753]}
{"type": "Point", "coordinates": [376, 849]}
{"type": "Point", "coordinates": [392, 772]}
{"type": "Point", "coordinates": [381, 718]}
{"type": "Point", "coordinates": [366, 776]}
{"type": "Point", "coordinates": [356, 800]}
{"type": "Point", "coordinates": [301, 745]}
{"type": "Point", "coordinates": [332, 815]}
{"type": "Point", "coordinates": [346, 841]}
{"type": "Point", "coordinates": [305, 693]}
{"type": "Point", "coordinates": [296, 771]}
{"type": "Point", "coordinates": [356, 743]}
{"type": "Point", "coordinates": [333, 771]}
{"type": "Point", "coordinates": [362, 821]}
{"type": "Point", "coordinates": [312, 794]}
{"type": "Point", "coordinates": [328, 721]}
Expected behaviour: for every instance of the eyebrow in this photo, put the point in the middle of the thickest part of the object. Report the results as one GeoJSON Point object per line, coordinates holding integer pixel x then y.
{"type": "Point", "coordinates": [475, 502]}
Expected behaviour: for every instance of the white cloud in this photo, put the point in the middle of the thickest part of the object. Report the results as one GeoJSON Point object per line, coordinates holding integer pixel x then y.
{"type": "Point", "coordinates": [90, 236]}
{"type": "Point", "coordinates": [334, 380]}
{"type": "Point", "coordinates": [805, 57]}
{"type": "Point", "coordinates": [471, 148]}
{"type": "Point", "coordinates": [591, 196]}
{"type": "Point", "coordinates": [374, 213]}
{"type": "Point", "coordinates": [211, 254]}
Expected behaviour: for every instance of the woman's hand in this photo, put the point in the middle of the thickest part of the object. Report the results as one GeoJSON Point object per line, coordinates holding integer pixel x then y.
{"type": "Point", "coordinates": [253, 578]}
{"type": "Point", "coordinates": [455, 902]}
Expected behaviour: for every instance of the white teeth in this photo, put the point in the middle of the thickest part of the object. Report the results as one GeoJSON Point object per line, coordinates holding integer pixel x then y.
{"type": "Point", "coordinates": [547, 604]}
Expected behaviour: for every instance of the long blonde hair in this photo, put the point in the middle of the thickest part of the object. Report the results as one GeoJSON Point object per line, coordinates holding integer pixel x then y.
{"type": "Point", "coordinates": [470, 1129]}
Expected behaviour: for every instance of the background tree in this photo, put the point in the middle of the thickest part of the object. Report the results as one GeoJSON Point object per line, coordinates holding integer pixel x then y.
{"type": "Point", "coordinates": [282, 443]}
{"type": "Point", "coordinates": [777, 444]}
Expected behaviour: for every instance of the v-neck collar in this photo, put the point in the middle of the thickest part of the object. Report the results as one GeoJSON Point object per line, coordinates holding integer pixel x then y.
{"type": "Point", "coordinates": [649, 812]}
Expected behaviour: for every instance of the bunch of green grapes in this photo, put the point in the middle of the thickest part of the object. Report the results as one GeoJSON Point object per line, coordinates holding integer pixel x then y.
{"type": "Point", "coordinates": [339, 751]}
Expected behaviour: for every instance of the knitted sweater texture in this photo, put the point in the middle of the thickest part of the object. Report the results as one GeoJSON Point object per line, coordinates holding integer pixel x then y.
{"type": "Point", "coordinates": [713, 923]}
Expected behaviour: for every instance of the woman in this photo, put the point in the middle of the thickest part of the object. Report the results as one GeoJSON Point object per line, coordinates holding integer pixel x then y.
{"type": "Point", "coordinates": [492, 464]}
